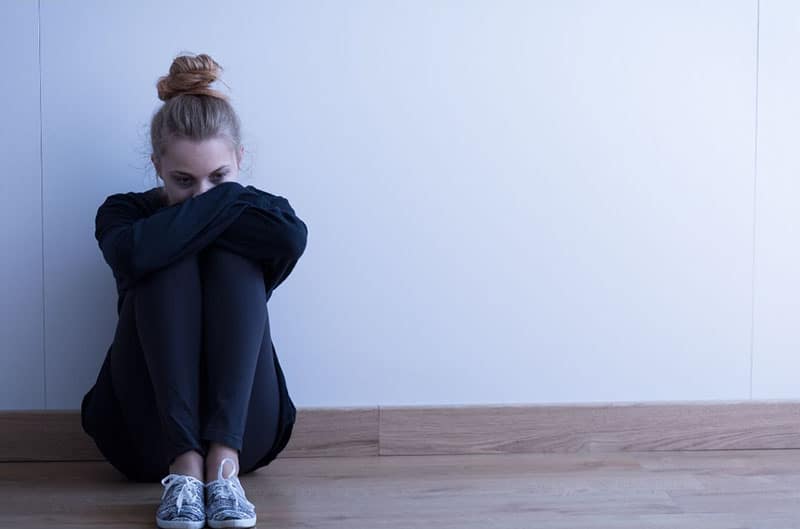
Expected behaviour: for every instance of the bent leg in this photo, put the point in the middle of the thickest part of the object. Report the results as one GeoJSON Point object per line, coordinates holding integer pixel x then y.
{"type": "Point", "coordinates": [242, 400]}
{"type": "Point", "coordinates": [144, 379]}
{"type": "Point", "coordinates": [261, 428]}
{"type": "Point", "coordinates": [167, 306]}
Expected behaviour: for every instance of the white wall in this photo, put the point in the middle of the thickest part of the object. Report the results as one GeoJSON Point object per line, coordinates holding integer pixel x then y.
{"type": "Point", "coordinates": [507, 202]}
{"type": "Point", "coordinates": [22, 358]}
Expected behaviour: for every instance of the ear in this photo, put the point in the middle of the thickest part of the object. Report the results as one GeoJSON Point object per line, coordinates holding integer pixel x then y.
{"type": "Point", "coordinates": [156, 165]}
{"type": "Point", "coordinates": [240, 156]}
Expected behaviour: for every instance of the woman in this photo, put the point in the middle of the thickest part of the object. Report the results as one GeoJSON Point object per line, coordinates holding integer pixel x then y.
{"type": "Point", "coordinates": [191, 383]}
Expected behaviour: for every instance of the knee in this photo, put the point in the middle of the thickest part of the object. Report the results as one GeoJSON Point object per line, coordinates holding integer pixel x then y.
{"type": "Point", "coordinates": [179, 272]}
{"type": "Point", "coordinates": [218, 259]}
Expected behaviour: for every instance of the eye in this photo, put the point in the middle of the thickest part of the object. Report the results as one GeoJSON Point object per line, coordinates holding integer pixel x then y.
{"type": "Point", "coordinates": [185, 181]}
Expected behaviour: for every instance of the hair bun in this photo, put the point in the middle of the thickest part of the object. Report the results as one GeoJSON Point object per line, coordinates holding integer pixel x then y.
{"type": "Point", "coordinates": [190, 74]}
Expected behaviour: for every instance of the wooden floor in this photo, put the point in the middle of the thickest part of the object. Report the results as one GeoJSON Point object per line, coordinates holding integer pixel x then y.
{"type": "Point", "coordinates": [723, 489]}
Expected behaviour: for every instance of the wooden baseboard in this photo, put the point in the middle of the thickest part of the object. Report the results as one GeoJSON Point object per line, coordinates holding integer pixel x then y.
{"type": "Point", "coordinates": [56, 435]}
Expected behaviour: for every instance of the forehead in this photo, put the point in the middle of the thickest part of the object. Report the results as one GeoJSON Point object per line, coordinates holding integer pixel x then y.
{"type": "Point", "coordinates": [184, 152]}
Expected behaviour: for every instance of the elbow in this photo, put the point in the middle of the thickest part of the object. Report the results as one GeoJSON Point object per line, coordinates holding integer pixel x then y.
{"type": "Point", "coordinates": [296, 241]}
{"type": "Point", "coordinates": [119, 264]}
{"type": "Point", "coordinates": [296, 232]}
{"type": "Point", "coordinates": [116, 251]}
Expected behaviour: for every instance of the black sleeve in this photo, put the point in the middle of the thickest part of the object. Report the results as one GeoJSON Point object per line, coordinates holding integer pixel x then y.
{"type": "Point", "coordinates": [133, 245]}
{"type": "Point", "coordinates": [269, 232]}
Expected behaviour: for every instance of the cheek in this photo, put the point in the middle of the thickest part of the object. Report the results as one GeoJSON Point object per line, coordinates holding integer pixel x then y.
{"type": "Point", "coordinates": [178, 194]}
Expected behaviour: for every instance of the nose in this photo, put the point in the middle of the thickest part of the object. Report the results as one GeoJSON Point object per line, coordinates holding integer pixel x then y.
{"type": "Point", "coordinates": [202, 188]}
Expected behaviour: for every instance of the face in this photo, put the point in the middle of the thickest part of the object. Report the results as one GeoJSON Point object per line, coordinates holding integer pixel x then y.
{"type": "Point", "coordinates": [190, 168]}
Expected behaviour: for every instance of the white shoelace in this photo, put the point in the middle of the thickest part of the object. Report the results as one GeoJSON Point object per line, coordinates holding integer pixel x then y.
{"type": "Point", "coordinates": [186, 489]}
{"type": "Point", "coordinates": [230, 489]}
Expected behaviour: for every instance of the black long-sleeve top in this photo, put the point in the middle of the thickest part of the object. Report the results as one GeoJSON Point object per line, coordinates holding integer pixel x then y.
{"type": "Point", "coordinates": [139, 233]}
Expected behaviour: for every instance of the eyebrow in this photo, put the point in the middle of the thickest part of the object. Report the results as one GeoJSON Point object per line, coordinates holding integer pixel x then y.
{"type": "Point", "coordinates": [218, 169]}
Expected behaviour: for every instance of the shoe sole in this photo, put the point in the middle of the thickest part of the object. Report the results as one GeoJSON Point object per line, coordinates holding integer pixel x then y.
{"type": "Point", "coordinates": [180, 524]}
{"type": "Point", "coordinates": [235, 522]}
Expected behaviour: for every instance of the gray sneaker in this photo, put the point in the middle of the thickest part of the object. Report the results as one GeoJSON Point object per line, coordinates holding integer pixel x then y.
{"type": "Point", "coordinates": [226, 503]}
{"type": "Point", "coordinates": [181, 503]}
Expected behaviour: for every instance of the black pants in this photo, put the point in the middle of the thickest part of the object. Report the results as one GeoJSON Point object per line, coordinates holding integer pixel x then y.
{"type": "Point", "coordinates": [191, 362]}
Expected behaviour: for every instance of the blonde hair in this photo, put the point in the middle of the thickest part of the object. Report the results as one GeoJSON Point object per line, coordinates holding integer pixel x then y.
{"type": "Point", "coordinates": [192, 109]}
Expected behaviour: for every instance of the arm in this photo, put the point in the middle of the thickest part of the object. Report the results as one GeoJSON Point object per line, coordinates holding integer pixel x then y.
{"type": "Point", "coordinates": [134, 246]}
{"type": "Point", "coordinates": [269, 232]}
